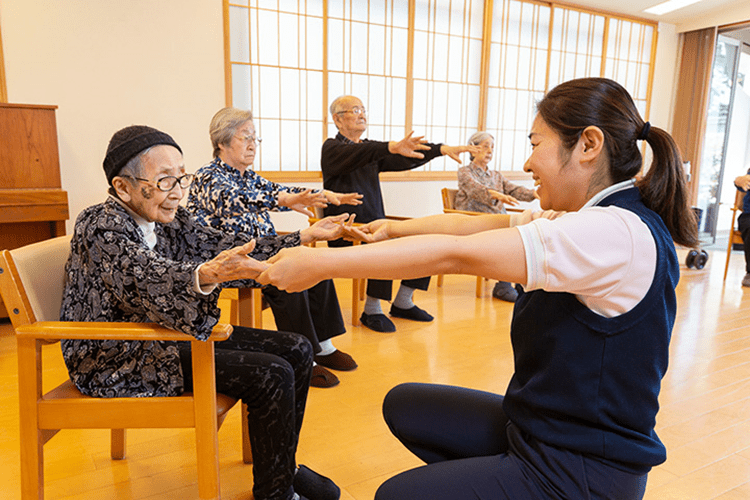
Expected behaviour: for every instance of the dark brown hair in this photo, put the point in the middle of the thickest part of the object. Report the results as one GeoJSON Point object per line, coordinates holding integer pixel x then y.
{"type": "Point", "coordinates": [576, 104]}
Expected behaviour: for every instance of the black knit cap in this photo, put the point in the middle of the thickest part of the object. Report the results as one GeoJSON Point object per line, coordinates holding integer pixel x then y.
{"type": "Point", "coordinates": [128, 142]}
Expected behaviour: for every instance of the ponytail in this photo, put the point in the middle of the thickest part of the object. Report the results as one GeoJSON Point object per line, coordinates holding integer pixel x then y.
{"type": "Point", "coordinates": [664, 189]}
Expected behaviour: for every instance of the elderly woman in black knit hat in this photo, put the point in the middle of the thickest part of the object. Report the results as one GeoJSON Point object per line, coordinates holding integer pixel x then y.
{"type": "Point", "coordinates": [139, 256]}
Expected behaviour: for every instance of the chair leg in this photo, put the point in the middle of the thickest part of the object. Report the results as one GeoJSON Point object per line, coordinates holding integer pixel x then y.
{"type": "Point", "coordinates": [32, 441]}
{"type": "Point", "coordinates": [440, 280]}
{"type": "Point", "coordinates": [247, 452]}
{"type": "Point", "coordinates": [480, 281]}
{"type": "Point", "coordinates": [206, 425]}
{"type": "Point", "coordinates": [356, 287]}
{"type": "Point", "coordinates": [117, 440]}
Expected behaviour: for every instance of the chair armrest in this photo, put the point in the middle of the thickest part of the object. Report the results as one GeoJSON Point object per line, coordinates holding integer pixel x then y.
{"type": "Point", "coordinates": [464, 212]}
{"type": "Point", "coordinates": [63, 330]}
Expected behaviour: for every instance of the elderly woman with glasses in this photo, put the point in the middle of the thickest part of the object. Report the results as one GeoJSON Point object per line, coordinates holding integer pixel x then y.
{"type": "Point", "coordinates": [140, 257]}
{"type": "Point", "coordinates": [228, 195]}
{"type": "Point", "coordinates": [481, 189]}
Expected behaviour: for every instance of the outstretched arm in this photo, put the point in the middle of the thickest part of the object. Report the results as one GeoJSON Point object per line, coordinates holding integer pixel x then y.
{"type": "Point", "coordinates": [495, 254]}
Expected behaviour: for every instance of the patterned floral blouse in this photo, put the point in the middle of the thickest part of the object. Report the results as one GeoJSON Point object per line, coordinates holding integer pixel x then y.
{"type": "Point", "coordinates": [112, 275]}
{"type": "Point", "coordinates": [474, 183]}
{"type": "Point", "coordinates": [223, 198]}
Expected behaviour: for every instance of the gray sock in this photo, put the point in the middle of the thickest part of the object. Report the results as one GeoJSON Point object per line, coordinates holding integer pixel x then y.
{"type": "Point", "coordinates": [372, 306]}
{"type": "Point", "coordinates": [403, 298]}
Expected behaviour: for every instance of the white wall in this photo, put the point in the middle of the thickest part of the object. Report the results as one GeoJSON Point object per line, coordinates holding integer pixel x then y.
{"type": "Point", "coordinates": [112, 63]}
{"type": "Point", "coordinates": [108, 64]}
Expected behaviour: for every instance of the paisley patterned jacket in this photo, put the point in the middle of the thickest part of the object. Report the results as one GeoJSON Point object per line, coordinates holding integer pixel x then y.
{"type": "Point", "coordinates": [223, 198]}
{"type": "Point", "coordinates": [112, 275]}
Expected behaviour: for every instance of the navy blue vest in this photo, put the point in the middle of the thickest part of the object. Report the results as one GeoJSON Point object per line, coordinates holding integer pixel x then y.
{"type": "Point", "coordinates": [588, 383]}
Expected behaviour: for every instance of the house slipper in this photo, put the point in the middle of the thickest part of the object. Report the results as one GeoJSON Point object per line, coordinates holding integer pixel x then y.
{"type": "Point", "coordinates": [323, 378]}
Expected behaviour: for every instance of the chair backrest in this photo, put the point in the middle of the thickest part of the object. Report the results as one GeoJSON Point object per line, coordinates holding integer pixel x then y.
{"type": "Point", "coordinates": [449, 198]}
{"type": "Point", "coordinates": [32, 280]}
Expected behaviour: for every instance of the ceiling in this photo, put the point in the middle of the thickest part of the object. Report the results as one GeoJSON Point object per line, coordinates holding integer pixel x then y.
{"type": "Point", "coordinates": [635, 8]}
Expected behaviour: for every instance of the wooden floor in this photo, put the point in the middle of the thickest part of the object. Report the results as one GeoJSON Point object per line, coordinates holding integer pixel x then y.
{"type": "Point", "coordinates": [704, 420]}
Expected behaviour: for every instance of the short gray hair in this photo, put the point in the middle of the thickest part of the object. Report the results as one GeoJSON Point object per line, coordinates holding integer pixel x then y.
{"type": "Point", "coordinates": [478, 138]}
{"type": "Point", "coordinates": [224, 125]}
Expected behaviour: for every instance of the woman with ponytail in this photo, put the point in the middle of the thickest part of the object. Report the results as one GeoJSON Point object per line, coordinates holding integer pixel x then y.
{"type": "Point", "coordinates": [590, 330]}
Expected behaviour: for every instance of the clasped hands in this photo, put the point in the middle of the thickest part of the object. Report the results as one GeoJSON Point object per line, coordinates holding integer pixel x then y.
{"type": "Point", "coordinates": [236, 263]}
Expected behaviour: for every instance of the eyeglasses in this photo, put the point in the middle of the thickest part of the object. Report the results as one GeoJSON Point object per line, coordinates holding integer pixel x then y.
{"type": "Point", "coordinates": [169, 182]}
{"type": "Point", "coordinates": [356, 111]}
{"type": "Point", "coordinates": [249, 139]}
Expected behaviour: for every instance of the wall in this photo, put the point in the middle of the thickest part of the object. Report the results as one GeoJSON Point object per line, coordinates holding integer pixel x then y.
{"type": "Point", "coordinates": [108, 64]}
{"type": "Point", "coordinates": [112, 63]}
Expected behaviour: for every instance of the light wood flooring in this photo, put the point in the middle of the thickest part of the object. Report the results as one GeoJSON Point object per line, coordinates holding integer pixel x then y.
{"type": "Point", "coordinates": [704, 420]}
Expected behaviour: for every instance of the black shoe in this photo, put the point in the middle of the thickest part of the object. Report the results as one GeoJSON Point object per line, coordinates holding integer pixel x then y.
{"type": "Point", "coordinates": [308, 483]}
{"type": "Point", "coordinates": [414, 313]}
{"type": "Point", "coordinates": [504, 291]}
{"type": "Point", "coordinates": [378, 322]}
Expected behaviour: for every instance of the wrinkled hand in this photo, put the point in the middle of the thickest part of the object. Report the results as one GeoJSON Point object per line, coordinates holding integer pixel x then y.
{"type": "Point", "coordinates": [231, 264]}
{"type": "Point", "coordinates": [343, 198]}
{"type": "Point", "coordinates": [505, 199]}
{"type": "Point", "coordinates": [454, 151]}
{"type": "Point", "coordinates": [327, 229]}
{"type": "Point", "coordinates": [290, 270]}
{"type": "Point", "coordinates": [299, 202]}
{"type": "Point", "coordinates": [409, 146]}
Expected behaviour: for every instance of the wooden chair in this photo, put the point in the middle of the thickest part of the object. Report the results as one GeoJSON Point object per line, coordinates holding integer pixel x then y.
{"type": "Point", "coordinates": [31, 283]}
{"type": "Point", "coordinates": [449, 202]}
{"type": "Point", "coordinates": [245, 306]}
{"type": "Point", "coordinates": [735, 237]}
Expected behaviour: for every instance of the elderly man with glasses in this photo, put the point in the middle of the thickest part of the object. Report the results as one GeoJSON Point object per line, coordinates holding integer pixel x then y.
{"type": "Point", "coordinates": [139, 256]}
{"type": "Point", "coordinates": [350, 163]}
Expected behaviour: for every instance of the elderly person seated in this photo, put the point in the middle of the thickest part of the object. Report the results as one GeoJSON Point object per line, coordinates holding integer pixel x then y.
{"type": "Point", "coordinates": [483, 190]}
{"type": "Point", "coordinates": [228, 195]}
{"type": "Point", "coordinates": [139, 256]}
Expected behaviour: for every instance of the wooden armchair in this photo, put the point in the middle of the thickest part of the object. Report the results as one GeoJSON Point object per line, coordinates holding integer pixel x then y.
{"type": "Point", "coordinates": [449, 200]}
{"type": "Point", "coordinates": [31, 283]}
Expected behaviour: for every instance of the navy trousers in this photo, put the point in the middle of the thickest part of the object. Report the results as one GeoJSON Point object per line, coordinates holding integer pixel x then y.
{"type": "Point", "coordinates": [474, 452]}
{"type": "Point", "coordinates": [314, 313]}
{"type": "Point", "coordinates": [383, 289]}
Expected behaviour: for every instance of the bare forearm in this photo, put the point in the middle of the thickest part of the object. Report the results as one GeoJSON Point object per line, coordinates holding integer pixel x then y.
{"type": "Point", "coordinates": [454, 224]}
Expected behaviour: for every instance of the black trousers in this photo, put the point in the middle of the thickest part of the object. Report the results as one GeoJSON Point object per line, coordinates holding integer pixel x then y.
{"type": "Point", "coordinates": [314, 313]}
{"type": "Point", "coordinates": [474, 452]}
{"type": "Point", "coordinates": [270, 372]}
{"type": "Point", "coordinates": [383, 289]}
{"type": "Point", "coordinates": [743, 224]}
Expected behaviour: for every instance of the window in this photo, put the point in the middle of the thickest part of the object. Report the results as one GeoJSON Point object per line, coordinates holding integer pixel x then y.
{"type": "Point", "coordinates": [443, 68]}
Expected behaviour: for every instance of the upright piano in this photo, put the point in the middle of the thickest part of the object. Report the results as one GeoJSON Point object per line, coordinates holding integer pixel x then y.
{"type": "Point", "coordinates": [33, 206]}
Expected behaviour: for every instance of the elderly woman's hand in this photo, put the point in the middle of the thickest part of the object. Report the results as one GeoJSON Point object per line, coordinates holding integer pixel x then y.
{"type": "Point", "coordinates": [299, 202]}
{"type": "Point", "coordinates": [505, 199]}
{"type": "Point", "coordinates": [231, 264]}
{"type": "Point", "coordinates": [327, 229]}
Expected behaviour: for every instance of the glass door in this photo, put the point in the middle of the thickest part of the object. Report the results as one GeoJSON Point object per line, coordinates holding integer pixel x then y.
{"type": "Point", "coordinates": [726, 153]}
